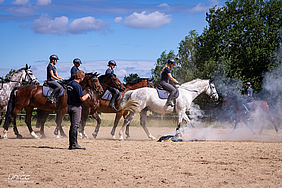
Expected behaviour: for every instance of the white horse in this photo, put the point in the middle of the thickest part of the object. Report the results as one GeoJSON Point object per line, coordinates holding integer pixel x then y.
{"type": "Point", "coordinates": [23, 75]}
{"type": "Point", "coordinates": [148, 99]}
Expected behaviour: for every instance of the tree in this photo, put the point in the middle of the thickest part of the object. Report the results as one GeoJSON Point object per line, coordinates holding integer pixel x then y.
{"type": "Point", "coordinates": [9, 74]}
{"type": "Point", "coordinates": [241, 39]}
{"type": "Point", "coordinates": [130, 78]}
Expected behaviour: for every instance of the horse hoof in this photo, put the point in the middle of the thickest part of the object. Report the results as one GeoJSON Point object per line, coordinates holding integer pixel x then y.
{"type": "Point", "coordinates": [128, 137]}
{"type": "Point", "coordinates": [152, 137]}
{"type": "Point", "coordinates": [34, 135]}
{"type": "Point", "coordinates": [114, 137]}
{"type": "Point", "coordinates": [63, 135]}
{"type": "Point", "coordinates": [121, 138]}
{"type": "Point", "coordinates": [94, 135]}
{"type": "Point", "coordinates": [58, 136]}
{"type": "Point", "coordinates": [19, 136]}
{"type": "Point", "coordinates": [43, 136]}
{"type": "Point", "coordinates": [56, 131]}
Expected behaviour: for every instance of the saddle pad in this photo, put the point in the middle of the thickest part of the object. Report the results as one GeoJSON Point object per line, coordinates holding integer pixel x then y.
{"type": "Point", "coordinates": [108, 96]}
{"type": "Point", "coordinates": [163, 94]}
{"type": "Point", "coordinates": [46, 91]}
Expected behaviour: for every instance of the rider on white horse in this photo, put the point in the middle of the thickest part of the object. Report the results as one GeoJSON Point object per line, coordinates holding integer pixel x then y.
{"type": "Point", "coordinates": [165, 77]}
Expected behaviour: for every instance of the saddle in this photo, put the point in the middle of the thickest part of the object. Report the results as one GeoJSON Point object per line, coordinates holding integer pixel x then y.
{"type": "Point", "coordinates": [163, 94]}
{"type": "Point", "coordinates": [47, 90]}
{"type": "Point", "coordinates": [108, 95]}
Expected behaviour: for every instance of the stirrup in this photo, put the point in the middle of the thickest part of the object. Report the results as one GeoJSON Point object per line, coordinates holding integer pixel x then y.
{"type": "Point", "coordinates": [51, 100]}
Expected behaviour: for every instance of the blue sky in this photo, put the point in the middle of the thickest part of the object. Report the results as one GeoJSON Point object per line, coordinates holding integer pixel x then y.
{"type": "Point", "coordinates": [134, 33]}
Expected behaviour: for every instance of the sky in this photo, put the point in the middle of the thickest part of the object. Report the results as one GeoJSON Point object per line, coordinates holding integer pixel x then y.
{"type": "Point", "coordinates": [133, 33]}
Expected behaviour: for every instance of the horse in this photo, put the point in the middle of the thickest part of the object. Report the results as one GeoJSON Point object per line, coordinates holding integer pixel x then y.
{"type": "Point", "coordinates": [106, 81]}
{"type": "Point", "coordinates": [15, 79]}
{"type": "Point", "coordinates": [104, 107]}
{"type": "Point", "coordinates": [148, 99]}
{"type": "Point", "coordinates": [31, 96]}
{"type": "Point", "coordinates": [244, 112]}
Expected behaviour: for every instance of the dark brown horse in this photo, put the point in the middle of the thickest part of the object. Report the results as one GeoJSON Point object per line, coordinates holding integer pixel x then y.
{"type": "Point", "coordinates": [30, 97]}
{"type": "Point", "coordinates": [104, 108]}
{"type": "Point", "coordinates": [244, 111]}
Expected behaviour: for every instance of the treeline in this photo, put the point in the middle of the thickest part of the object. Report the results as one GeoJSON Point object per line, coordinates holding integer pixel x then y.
{"type": "Point", "coordinates": [239, 43]}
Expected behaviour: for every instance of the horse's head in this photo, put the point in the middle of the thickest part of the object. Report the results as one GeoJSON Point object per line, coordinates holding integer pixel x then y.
{"type": "Point", "coordinates": [28, 76]}
{"type": "Point", "coordinates": [113, 81]}
{"type": "Point", "coordinates": [211, 91]}
{"type": "Point", "coordinates": [91, 80]}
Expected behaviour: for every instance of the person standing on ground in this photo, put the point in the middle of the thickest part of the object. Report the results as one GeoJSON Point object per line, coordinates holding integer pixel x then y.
{"type": "Point", "coordinates": [75, 99]}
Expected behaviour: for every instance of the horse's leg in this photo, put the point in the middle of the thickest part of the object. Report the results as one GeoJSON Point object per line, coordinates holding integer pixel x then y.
{"type": "Point", "coordinates": [127, 120]}
{"type": "Point", "coordinates": [59, 119]}
{"type": "Point", "coordinates": [28, 121]}
{"type": "Point", "coordinates": [98, 119]}
{"type": "Point", "coordinates": [143, 120]}
{"type": "Point", "coordinates": [84, 116]}
{"type": "Point", "coordinates": [42, 121]}
{"type": "Point", "coordinates": [181, 115]}
{"type": "Point", "coordinates": [117, 118]}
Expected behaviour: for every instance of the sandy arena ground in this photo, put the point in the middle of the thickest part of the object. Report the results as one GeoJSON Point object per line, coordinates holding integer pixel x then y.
{"type": "Point", "coordinates": [139, 162]}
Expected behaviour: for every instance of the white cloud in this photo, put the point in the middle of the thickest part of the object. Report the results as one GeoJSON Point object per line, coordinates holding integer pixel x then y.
{"type": "Point", "coordinates": [200, 8]}
{"type": "Point", "coordinates": [143, 20]}
{"type": "Point", "coordinates": [45, 25]}
{"type": "Point", "coordinates": [163, 5]}
{"type": "Point", "coordinates": [60, 25]}
{"type": "Point", "coordinates": [23, 11]}
{"type": "Point", "coordinates": [118, 19]}
{"type": "Point", "coordinates": [1, 1]}
{"type": "Point", "coordinates": [20, 2]}
{"type": "Point", "coordinates": [85, 24]}
{"type": "Point", "coordinates": [44, 2]}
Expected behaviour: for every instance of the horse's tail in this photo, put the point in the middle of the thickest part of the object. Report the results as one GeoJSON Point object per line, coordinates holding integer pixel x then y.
{"type": "Point", "coordinates": [127, 104]}
{"type": "Point", "coordinates": [10, 108]}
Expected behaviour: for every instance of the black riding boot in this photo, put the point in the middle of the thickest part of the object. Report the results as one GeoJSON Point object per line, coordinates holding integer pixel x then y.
{"type": "Point", "coordinates": [113, 102]}
{"type": "Point", "coordinates": [73, 140]}
{"type": "Point", "coordinates": [169, 100]}
{"type": "Point", "coordinates": [53, 95]}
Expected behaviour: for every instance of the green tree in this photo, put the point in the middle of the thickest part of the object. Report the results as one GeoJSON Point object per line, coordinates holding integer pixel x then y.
{"type": "Point", "coordinates": [240, 40]}
{"type": "Point", "coordinates": [130, 78]}
{"type": "Point", "coordinates": [9, 74]}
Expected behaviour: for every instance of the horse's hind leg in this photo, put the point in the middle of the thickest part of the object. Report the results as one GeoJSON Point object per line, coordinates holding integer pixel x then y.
{"type": "Point", "coordinates": [59, 119]}
{"type": "Point", "coordinates": [143, 120]}
{"type": "Point", "coordinates": [84, 116]}
{"type": "Point", "coordinates": [98, 119]}
{"type": "Point", "coordinates": [127, 120]}
{"type": "Point", "coordinates": [117, 118]}
{"type": "Point", "coordinates": [28, 121]}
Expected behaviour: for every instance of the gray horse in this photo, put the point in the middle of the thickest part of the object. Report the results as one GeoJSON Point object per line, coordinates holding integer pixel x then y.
{"type": "Point", "coordinates": [16, 79]}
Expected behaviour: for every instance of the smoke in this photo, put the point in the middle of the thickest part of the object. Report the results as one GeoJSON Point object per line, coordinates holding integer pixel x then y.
{"type": "Point", "coordinates": [260, 121]}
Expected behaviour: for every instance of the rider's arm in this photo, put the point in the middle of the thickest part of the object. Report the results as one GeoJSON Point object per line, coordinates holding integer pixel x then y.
{"type": "Point", "coordinates": [172, 79]}
{"type": "Point", "coordinates": [56, 77]}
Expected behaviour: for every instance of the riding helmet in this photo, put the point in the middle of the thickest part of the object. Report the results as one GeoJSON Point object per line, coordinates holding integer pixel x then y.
{"type": "Point", "coordinates": [112, 62]}
{"type": "Point", "coordinates": [248, 83]}
{"type": "Point", "coordinates": [171, 61]}
{"type": "Point", "coordinates": [77, 60]}
{"type": "Point", "coordinates": [54, 57]}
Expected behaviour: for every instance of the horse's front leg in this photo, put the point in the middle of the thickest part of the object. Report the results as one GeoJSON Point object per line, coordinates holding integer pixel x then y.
{"type": "Point", "coordinates": [117, 118]}
{"type": "Point", "coordinates": [41, 122]}
{"type": "Point", "coordinates": [84, 116]}
{"type": "Point", "coordinates": [59, 119]}
{"type": "Point", "coordinates": [181, 115]}
{"type": "Point", "coordinates": [143, 120]}
{"type": "Point", "coordinates": [127, 120]}
{"type": "Point", "coordinates": [28, 121]}
{"type": "Point", "coordinates": [98, 119]}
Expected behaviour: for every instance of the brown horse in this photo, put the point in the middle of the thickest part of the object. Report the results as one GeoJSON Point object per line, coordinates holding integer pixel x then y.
{"type": "Point", "coordinates": [30, 97]}
{"type": "Point", "coordinates": [104, 108]}
{"type": "Point", "coordinates": [244, 111]}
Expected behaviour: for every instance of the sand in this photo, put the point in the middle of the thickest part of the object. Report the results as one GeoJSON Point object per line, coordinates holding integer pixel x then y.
{"type": "Point", "coordinates": [139, 162]}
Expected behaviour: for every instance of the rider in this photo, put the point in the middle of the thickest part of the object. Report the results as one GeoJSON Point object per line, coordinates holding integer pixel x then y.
{"type": "Point", "coordinates": [165, 77]}
{"type": "Point", "coordinates": [115, 92]}
{"type": "Point", "coordinates": [76, 63]}
{"type": "Point", "coordinates": [249, 94]}
{"type": "Point", "coordinates": [52, 77]}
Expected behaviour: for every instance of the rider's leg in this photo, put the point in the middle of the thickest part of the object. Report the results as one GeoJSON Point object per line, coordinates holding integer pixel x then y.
{"type": "Point", "coordinates": [172, 90]}
{"type": "Point", "coordinates": [55, 93]}
{"type": "Point", "coordinates": [115, 94]}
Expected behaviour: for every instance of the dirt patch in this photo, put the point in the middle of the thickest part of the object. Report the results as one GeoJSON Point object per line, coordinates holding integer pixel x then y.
{"type": "Point", "coordinates": [138, 162]}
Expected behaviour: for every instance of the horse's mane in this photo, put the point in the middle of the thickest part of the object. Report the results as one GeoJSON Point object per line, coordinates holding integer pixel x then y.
{"type": "Point", "coordinates": [10, 76]}
{"type": "Point", "coordinates": [191, 83]}
{"type": "Point", "coordinates": [136, 81]}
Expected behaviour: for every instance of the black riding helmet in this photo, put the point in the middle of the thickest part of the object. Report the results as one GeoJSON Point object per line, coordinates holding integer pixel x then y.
{"type": "Point", "coordinates": [53, 57]}
{"type": "Point", "coordinates": [170, 61]}
{"type": "Point", "coordinates": [112, 62]}
{"type": "Point", "coordinates": [77, 60]}
{"type": "Point", "coordinates": [248, 83]}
